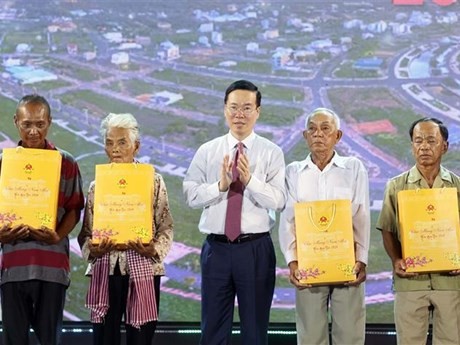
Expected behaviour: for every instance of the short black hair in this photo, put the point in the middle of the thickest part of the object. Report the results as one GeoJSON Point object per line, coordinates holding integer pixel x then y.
{"type": "Point", "coordinates": [34, 98]}
{"type": "Point", "coordinates": [442, 127]}
{"type": "Point", "coordinates": [243, 85]}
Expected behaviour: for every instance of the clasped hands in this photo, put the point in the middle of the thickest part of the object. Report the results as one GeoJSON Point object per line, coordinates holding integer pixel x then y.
{"type": "Point", "coordinates": [43, 234]}
{"type": "Point", "coordinates": [226, 176]}
{"type": "Point", "coordinates": [107, 245]}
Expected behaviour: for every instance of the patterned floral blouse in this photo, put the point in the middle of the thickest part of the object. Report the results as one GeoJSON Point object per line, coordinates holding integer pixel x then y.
{"type": "Point", "coordinates": [162, 229]}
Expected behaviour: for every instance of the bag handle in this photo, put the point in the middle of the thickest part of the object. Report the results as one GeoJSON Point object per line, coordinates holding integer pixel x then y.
{"type": "Point", "coordinates": [310, 214]}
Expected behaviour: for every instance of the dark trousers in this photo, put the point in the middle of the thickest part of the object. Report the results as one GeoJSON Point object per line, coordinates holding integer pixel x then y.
{"type": "Point", "coordinates": [246, 270]}
{"type": "Point", "coordinates": [33, 303]}
{"type": "Point", "coordinates": [108, 332]}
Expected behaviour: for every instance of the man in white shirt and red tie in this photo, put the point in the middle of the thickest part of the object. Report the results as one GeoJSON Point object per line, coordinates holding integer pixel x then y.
{"type": "Point", "coordinates": [325, 175]}
{"type": "Point", "coordinates": [238, 181]}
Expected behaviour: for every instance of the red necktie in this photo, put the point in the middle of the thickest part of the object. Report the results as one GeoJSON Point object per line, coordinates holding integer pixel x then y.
{"type": "Point", "coordinates": [234, 200]}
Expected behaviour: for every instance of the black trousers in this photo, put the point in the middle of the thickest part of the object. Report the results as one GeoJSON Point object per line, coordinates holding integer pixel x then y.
{"type": "Point", "coordinates": [108, 332]}
{"type": "Point", "coordinates": [247, 271]}
{"type": "Point", "coordinates": [32, 303]}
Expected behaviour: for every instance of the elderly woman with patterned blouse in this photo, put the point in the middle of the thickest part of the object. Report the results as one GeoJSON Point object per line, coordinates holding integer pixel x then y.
{"type": "Point", "coordinates": [125, 280]}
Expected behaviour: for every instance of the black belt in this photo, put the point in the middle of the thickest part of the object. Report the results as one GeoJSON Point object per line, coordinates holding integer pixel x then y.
{"type": "Point", "coordinates": [240, 239]}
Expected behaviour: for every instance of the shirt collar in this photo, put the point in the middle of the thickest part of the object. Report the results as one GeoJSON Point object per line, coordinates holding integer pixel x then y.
{"type": "Point", "coordinates": [336, 160]}
{"type": "Point", "coordinates": [248, 141]}
{"type": "Point", "coordinates": [48, 145]}
{"type": "Point", "coordinates": [415, 175]}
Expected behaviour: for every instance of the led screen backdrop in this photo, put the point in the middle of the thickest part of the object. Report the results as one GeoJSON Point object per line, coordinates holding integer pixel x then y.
{"type": "Point", "coordinates": [378, 64]}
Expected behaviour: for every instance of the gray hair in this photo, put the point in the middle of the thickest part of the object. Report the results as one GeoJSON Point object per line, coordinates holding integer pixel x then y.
{"type": "Point", "coordinates": [325, 111]}
{"type": "Point", "coordinates": [127, 121]}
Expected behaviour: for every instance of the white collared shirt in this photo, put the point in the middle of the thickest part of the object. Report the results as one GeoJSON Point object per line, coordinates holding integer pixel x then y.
{"type": "Point", "coordinates": [342, 178]}
{"type": "Point", "coordinates": [264, 193]}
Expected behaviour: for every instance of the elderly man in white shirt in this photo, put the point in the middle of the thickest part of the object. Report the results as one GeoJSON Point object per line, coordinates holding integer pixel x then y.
{"type": "Point", "coordinates": [237, 257]}
{"type": "Point", "coordinates": [324, 175]}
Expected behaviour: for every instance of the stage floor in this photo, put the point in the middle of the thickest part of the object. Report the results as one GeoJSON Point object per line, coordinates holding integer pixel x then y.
{"type": "Point", "coordinates": [78, 333]}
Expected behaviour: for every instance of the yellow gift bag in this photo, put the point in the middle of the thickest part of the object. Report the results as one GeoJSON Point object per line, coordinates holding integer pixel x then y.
{"type": "Point", "coordinates": [29, 185]}
{"type": "Point", "coordinates": [123, 202]}
{"type": "Point", "coordinates": [325, 246]}
{"type": "Point", "coordinates": [429, 229]}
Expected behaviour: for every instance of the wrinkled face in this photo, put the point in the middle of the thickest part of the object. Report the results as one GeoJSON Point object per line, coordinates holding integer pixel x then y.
{"type": "Point", "coordinates": [119, 147]}
{"type": "Point", "coordinates": [428, 146]}
{"type": "Point", "coordinates": [322, 134]}
{"type": "Point", "coordinates": [32, 121]}
{"type": "Point", "coordinates": [241, 112]}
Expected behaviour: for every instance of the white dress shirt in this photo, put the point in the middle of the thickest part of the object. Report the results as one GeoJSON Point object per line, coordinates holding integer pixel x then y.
{"type": "Point", "coordinates": [264, 193]}
{"type": "Point", "coordinates": [342, 178]}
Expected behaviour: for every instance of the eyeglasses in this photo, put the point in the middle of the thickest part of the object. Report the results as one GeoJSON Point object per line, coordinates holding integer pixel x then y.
{"type": "Point", "coordinates": [246, 110]}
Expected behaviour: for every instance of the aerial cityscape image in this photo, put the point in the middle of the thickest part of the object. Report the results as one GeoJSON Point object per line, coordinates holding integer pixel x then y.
{"type": "Point", "coordinates": [378, 64]}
